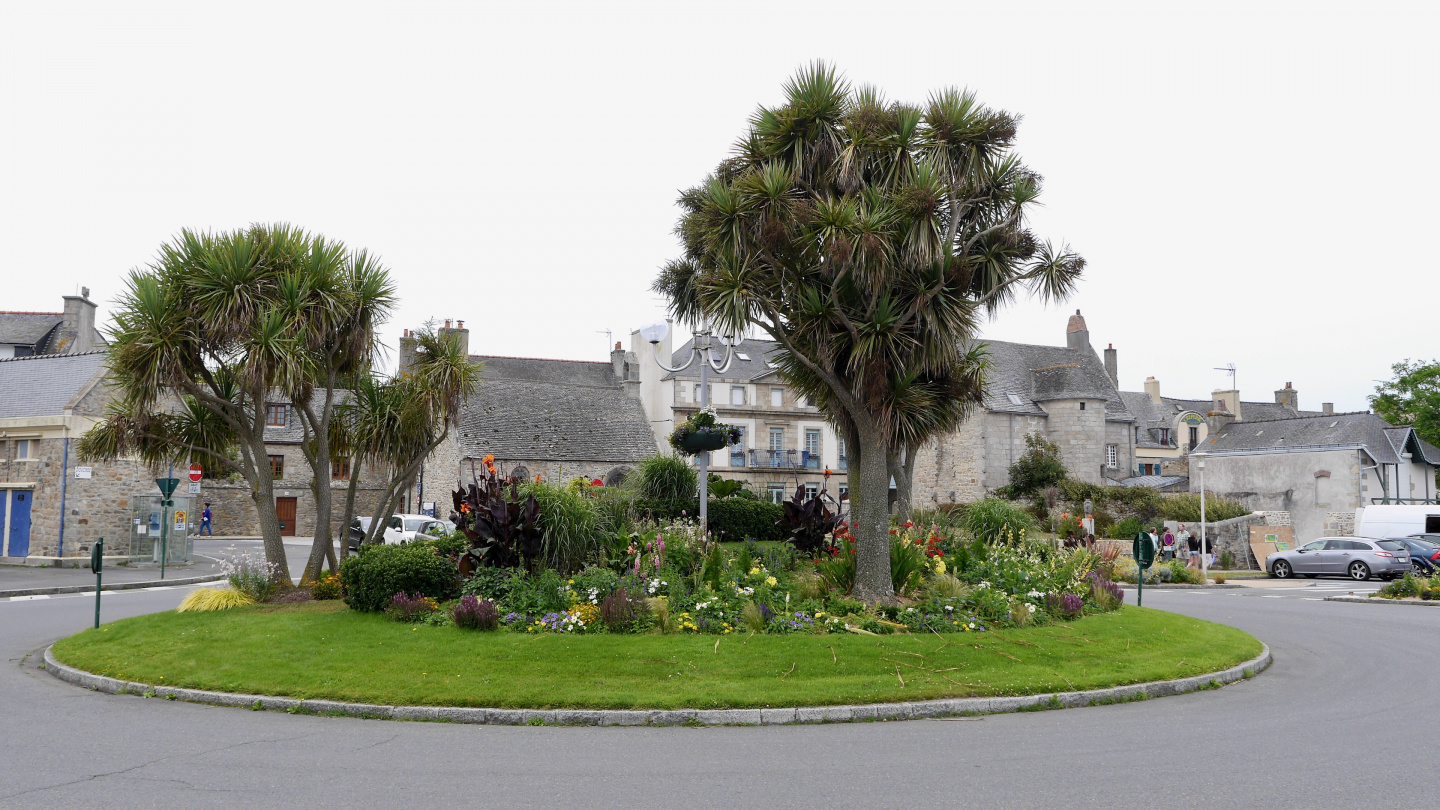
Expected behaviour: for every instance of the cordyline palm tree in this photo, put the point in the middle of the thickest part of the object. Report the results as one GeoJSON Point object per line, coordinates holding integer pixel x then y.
{"type": "Point", "coordinates": [869, 239]}
{"type": "Point", "coordinates": [396, 424]}
{"type": "Point", "coordinates": [227, 322]}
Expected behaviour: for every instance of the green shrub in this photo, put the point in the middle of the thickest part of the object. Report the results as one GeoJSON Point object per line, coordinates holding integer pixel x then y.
{"type": "Point", "coordinates": [997, 520]}
{"type": "Point", "coordinates": [1126, 529]}
{"type": "Point", "coordinates": [492, 584]}
{"type": "Point", "coordinates": [1185, 508]}
{"type": "Point", "coordinates": [570, 525]}
{"type": "Point", "coordinates": [379, 572]}
{"type": "Point", "coordinates": [537, 594]}
{"type": "Point", "coordinates": [730, 518]}
{"type": "Point", "coordinates": [451, 545]}
{"type": "Point", "coordinates": [1038, 467]}
{"type": "Point", "coordinates": [907, 566]}
{"type": "Point", "coordinates": [666, 478]}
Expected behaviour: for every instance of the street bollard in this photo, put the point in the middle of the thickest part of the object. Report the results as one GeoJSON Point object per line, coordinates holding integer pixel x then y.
{"type": "Point", "coordinates": [97, 561]}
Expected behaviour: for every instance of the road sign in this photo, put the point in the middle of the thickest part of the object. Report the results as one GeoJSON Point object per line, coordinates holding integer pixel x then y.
{"type": "Point", "coordinates": [194, 487]}
{"type": "Point", "coordinates": [167, 486]}
{"type": "Point", "coordinates": [196, 472]}
{"type": "Point", "coordinates": [1144, 550]}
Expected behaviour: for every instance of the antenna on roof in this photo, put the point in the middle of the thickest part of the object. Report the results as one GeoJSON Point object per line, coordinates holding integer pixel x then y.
{"type": "Point", "coordinates": [606, 333]}
{"type": "Point", "coordinates": [1229, 368]}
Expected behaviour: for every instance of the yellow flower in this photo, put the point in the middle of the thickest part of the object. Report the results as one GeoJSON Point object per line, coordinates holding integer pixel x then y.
{"type": "Point", "coordinates": [770, 581]}
{"type": "Point", "coordinates": [754, 571]}
{"type": "Point", "coordinates": [939, 566]}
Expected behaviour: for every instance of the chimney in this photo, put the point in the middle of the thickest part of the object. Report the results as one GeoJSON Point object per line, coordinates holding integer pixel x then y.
{"type": "Point", "coordinates": [1327, 408]}
{"type": "Point", "coordinates": [1288, 397]}
{"type": "Point", "coordinates": [1152, 387]}
{"type": "Point", "coordinates": [77, 329]}
{"type": "Point", "coordinates": [459, 333]}
{"type": "Point", "coordinates": [1112, 366]}
{"type": "Point", "coordinates": [1077, 335]}
{"type": "Point", "coordinates": [1227, 401]}
{"type": "Point", "coordinates": [617, 362]}
{"type": "Point", "coordinates": [407, 352]}
{"type": "Point", "coordinates": [1216, 421]}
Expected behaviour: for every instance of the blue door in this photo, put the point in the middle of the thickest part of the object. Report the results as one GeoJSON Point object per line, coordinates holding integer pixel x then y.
{"type": "Point", "coordinates": [18, 544]}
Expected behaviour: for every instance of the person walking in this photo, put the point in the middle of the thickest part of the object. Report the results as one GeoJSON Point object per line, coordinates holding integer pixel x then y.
{"type": "Point", "coordinates": [205, 526]}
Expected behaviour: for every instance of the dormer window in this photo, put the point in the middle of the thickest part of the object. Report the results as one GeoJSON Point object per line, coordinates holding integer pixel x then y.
{"type": "Point", "coordinates": [1164, 435]}
{"type": "Point", "coordinates": [275, 415]}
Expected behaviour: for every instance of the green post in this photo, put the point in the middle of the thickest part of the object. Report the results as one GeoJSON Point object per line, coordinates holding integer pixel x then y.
{"type": "Point", "coordinates": [167, 488]}
{"type": "Point", "coordinates": [1144, 551]}
{"type": "Point", "coordinates": [97, 560]}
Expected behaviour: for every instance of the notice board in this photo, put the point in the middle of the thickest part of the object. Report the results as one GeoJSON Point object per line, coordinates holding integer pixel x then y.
{"type": "Point", "coordinates": [1266, 540]}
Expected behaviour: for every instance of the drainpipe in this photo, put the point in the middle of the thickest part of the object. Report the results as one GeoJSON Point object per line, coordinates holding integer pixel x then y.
{"type": "Point", "coordinates": [64, 479]}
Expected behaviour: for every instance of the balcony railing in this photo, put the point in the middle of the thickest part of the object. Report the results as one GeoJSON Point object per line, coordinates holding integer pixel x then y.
{"type": "Point", "coordinates": [809, 460]}
{"type": "Point", "coordinates": [737, 457]}
{"type": "Point", "coordinates": [775, 459]}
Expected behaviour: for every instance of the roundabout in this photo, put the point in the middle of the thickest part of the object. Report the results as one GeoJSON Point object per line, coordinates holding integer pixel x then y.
{"type": "Point", "coordinates": [1231, 747]}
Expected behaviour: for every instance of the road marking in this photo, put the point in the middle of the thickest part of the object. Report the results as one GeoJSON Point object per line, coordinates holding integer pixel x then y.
{"type": "Point", "coordinates": [157, 588]}
{"type": "Point", "coordinates": [1271, 596]}
{"type": "Point", "coordinates": [29, 598]}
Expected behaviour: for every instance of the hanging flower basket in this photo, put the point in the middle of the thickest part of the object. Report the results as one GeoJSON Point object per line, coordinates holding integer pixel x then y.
{"type": "Point", "coordinates": [701, 433]}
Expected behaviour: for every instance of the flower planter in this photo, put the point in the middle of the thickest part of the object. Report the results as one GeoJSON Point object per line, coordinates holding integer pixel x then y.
{"type": "Point", "coordinates": [701, 442]}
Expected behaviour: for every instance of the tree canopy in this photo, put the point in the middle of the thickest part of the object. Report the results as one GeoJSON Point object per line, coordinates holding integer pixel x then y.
{"type": "Point", "coordinates": [870, 239]}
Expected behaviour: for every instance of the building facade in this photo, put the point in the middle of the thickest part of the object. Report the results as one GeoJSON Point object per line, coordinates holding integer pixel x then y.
{"type": "Point", "coordinates": [70, 331]}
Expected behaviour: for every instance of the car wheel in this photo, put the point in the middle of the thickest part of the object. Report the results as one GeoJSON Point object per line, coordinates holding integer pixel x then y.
{"type": "Point", "coordinates": [1282, 570]}
{"type": "Point", "coordinates": [1419, 568]}
{"type": "Point", "coordinates": [1359, 571]}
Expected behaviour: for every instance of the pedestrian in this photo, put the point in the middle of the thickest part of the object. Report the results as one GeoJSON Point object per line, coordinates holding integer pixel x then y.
{"type": "Point", "coordinates": [1169, 542]}
{"type": "Point", "coordinates": [1155, 542]}
{"type": "Point", "coordinates": [205, 522]}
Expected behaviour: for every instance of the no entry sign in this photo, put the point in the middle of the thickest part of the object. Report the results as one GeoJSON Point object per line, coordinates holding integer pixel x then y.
{"type": "Point", "coordinates": [196, 472]}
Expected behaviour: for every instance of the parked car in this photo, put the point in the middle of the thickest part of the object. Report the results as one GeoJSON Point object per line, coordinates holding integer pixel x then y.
{"type": "Point", "coordinates": [1358, 558]}
{"type": "Point", "coordinates": [404, 528]}
{"type": "Point", "coordinates": [358, 527]}
{"type": "Point", "coordinates": [1424, 553]}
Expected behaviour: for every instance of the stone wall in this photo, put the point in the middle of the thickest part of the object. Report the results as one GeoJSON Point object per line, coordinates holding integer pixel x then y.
{"type": "Point", "coordinates": [1232, 535]}
{"type": "Point", "coordinates": [951, 468]}
{"type": "Point", "coordinates": [1003, 443]}
{"type": "Point", "coordinates": [1340, 524]}
{"type": "Point", "coordinates": [1309, 486]}
{"type": "Point", "coordinates": [1080, 435]}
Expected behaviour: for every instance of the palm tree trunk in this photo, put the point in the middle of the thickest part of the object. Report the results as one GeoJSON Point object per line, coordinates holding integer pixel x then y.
{"type": "Point", "coordinates": [870, 492]}
{"type": "Point", "coordinates": [349, 507]}
{"type": "Point", "coordinates": [262, 492]}
{"type": "Point", "coordinates": [901, 462]}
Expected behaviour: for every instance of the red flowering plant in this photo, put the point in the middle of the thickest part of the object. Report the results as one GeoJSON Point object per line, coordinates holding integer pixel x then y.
{"type": "Point", "coordinates": [808, 521]}
{"type": "Point", "coordinates": [503, 528]}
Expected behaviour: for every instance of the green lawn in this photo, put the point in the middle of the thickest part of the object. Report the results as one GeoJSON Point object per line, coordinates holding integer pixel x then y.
{"type": "Point", "coordinates": [323, 650]}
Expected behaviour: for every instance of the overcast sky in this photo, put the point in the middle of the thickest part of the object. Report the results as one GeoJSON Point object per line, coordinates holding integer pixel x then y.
{"type": "Point", "coordinates": [1250, 183]}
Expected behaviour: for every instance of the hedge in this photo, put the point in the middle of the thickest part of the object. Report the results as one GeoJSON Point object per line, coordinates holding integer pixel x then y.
{"type": "Point", "coordinates": [730, 518]}
{"type": "Point", "coordinates": [379, 572]}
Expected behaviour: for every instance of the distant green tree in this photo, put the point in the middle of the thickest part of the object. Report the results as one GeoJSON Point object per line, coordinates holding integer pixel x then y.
{"type": "Point", "coordinates": [1037, 468]}
{"type": "Point", "coordinates": [1412, 398]}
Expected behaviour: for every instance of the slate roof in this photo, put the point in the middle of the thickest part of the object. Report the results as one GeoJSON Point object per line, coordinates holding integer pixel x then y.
{"type": "Point", "coordinates": [1362, 428]}
{"type": "Point", "coordinates": [41, 385]}
{"type": "Point", "coordinates": [528, 409]}
{"type": "Point", "coordinates": [1155, 481]}
{"type": "Point", "coordinates": [28, 328]}
{"type": "Point", "coordinates": [1036, 374]}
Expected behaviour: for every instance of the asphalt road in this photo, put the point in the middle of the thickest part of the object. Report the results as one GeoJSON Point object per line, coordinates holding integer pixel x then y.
{"type": "Point", "coordinates": [1334, 723]}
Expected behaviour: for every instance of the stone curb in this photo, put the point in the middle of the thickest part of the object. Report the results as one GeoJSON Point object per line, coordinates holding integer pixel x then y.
{"type": "Point", "coordinates": [1169, 587]}
{"type": "Point", "coordinates": [119, 586]}
{"type": "Point", "coordinates": [1365, 600]}
{"type": "Point", "coordinates": [916, 710]}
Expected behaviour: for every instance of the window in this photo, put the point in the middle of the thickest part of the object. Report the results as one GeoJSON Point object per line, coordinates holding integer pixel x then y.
{"type": "Point", "coordinates": [1112, 456]}
{"type": "Point", "coordinates": [277, 467]}
{"type": "Point", "coordinates": [776, 492]}
{"type": "Point", "coordinates": [737, 450]}
{"type": "Point", "coordinates": [777, 438]}
{"type": "Point", "coordinates": [1315, 546]}
{"type": "Point", "coordinates": [1014, 399]}
{"type": "Point", "coordinates": [340, 470]}
{"type": "Point", "coordinates": [1164, 435]}
{"type": "Point", "coordinates": [808, 401]}
{"type": "Point", "coordinates": [743, 356]}
{"type": "Point", "coordinates": [844, 492]}
{"type": "Point", "coordinates": [812, 449]}
{"type": "Point", "coordinates": [26, 449]}
{"type": "Point", "coordinates": [276, 415]}
{"type": "Point", "coordinates": [1194, 436]}
{"type": "Point", "coordinates": [1082, 405]}
{"type": "Point", "coordinates": [811, 490]}
{"type": "Point", "coordinates": [737, 395]}
{"type": "Point", "coordinates": [841, 446]}
{"type": "Point", "coordinates": [777, 397]}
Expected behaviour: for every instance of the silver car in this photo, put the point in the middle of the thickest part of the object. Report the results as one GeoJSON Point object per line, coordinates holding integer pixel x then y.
{"type": "Point", "coordinates": [1358, 558]}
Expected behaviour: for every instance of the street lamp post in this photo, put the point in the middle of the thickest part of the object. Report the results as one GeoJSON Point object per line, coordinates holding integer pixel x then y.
{"type": "Point", "coordinates": [702, 348]}
{"type": "Point", "coordinates": [1204, 547]}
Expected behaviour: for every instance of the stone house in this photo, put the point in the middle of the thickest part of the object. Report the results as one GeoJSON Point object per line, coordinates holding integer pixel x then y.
{"type": "Point", "coordinates": [1065, 393]}
{"type": "Point", "coordinates": [1317, 467]}
{"type": "Point", "coordinates": [559, 419]}
{"type": "Point", "coordinates": [71, 331]}
{"type": "Point", "coordinates": [1167, 429]}
{"type": "Point", "coordinates": [55, 506]}
{"type": "Point", "coordinates": [786, 441]}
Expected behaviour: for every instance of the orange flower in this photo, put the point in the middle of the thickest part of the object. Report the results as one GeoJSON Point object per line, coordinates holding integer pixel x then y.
{"type": "Point", "coordinates": [489, 459]}
{"type": "Point", "coordinates": [537, 479]}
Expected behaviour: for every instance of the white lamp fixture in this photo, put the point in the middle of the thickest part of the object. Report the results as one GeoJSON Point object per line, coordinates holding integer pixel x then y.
{"type": "Point", "coordinates": [655, 332]}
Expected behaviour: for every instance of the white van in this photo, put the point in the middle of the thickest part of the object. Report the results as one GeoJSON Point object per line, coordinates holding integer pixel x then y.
{"type": "Point", "coordinates": [1397, 520]}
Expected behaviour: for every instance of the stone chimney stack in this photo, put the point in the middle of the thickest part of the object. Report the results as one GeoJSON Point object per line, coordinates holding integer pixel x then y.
{"type": "Point", "coordinates": [626, 366]}
{"type": "Point", "coordinates": [1112, 365]}
{"type": "Point", "coordinates": [1288, 397]}
{"type": "Point", "coordinates": [1077, 335]}
{"type": "Point", "coordinates": [1327, 408]}
{"type": "Point", "coordinates": [617, 362]}
{"type": "Point", "coordinates": [1152, 387]}
{"type": "Point", "coordinates": [457, 332]}
{"type": "Point", "coordinates": [77, 330]}
{"type": "Point", "coordinates": [1226, 401]}
{"type": "Point", "coordinates": [1217, 421]}
{"type": "Point", "coordinates": [407, 352]}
